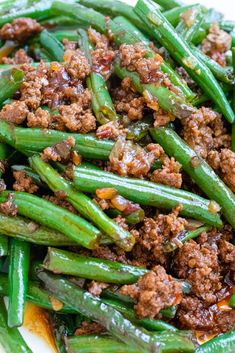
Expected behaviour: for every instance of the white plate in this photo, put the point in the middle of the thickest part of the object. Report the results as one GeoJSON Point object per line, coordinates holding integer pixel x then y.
{"type": "Point", "coordinates": [36, 342]}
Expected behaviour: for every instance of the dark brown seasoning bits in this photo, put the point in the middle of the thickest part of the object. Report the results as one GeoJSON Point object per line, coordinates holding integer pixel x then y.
{"type": "Point", "coordinates": [89, 328]}
{"type": "Point", "coordinates": [154, 291]}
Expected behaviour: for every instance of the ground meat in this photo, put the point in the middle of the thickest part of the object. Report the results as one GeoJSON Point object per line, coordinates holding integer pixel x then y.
{"type": "Point", "coordinates": [169, 174]}
{"type": "Point", "coordinates": [227, 253]}
{"type": "Point", "coordinates": [114, 254]}
{"type": "Point", "coordinates": [59, 202]}
{"type": "Point", "coordinates": [8, 207]}
{"type": "Point", "coordinates": [154, 291]}
{"type": "Point", "coordinates": [76, 118]}
{"type": "Point", "coordinates": [185, 76]}
{"type": "Point", "coordinates": [8, 112]}
{"type": "Point", "coordinates": [127, 158]}
{"type": "Point", "coordinates": [162, 118]}
{"type": "Point", "coordinates": [133, 58]}
{"type": "Point", "coordinates": [34, 81]}
{"type": "Point", "coordinates": [224, 163]}
{"type": "Point", "coordinates": [111, 130]}
{"type": "Point", "coordinates": [204, 131]}
{"type": "Point", "coordinates": [20, 29]}
{"type": "Point", "coordinates": [60, 151]}
{"type": "Point", "coordinates": [40, 119]}
{"type": "Point", "coordinates": [24, 182]}
{"type": "Point", "coordinates": [89, 328]}
{"type": "Point", "coordinates": [69, 45]}
{"type": "Point", "coordinates": [128, 102]}
{"type": "Point", "coordinates": [77, 64]}
{"type": "Point", "coordinates": [20, 57]}
{"type": "Point", "coordinates": [199, 264]}
{"type": "Point", "coordinates": [216, 44]}
{"type": "Point", "coordinates": [102, 55]}
{"type": "Point", "coordinates": [96, 288]}
{"type": "Point", "coordinates": [155, 232]}
{"type": "Point", "coordinates": [192, 314]}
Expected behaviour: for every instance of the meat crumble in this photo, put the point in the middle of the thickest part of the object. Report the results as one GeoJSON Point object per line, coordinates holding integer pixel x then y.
{"type": "Point", "coordinates": [20, 29]}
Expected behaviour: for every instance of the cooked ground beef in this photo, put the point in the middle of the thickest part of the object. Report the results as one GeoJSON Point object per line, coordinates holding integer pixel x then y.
{"type": "Point", "coordinates": [154, 291]}
{"type": "Point", "coordinates": [111, 130]}
{"type": "Point", "coordinates": [192, 314]}
{"type": "Point", "coordinates": [96, 288]}
{"type": "Point", "coordinates": [20, 29]}
{"type": "Point", "coordinates": [169, 174]}
{"type": "Point", "coordinates": [60, 151]}
{"type": "Point", "coordinates": [89, 328]}
{"type": "Point", "coordinates": [8, 112]}
{"type": "Point", "coordinates": [127, 102]}
{"type": "Point", "coordinates": [20, 57]}
{"type": "Point", "coordinates": [204, 131]}
{"type": "Point", "coordinates": [24, 182]}
{"type": "Point", "coordinates": [127, 158]}
{"type": "Point", "coordinates": [8, 207]}
{"type": "Point", "coordinates": [77, 64]}
{"type": "Point", "coordinates": [153, 235]}
{"type": "Point", "coordinates": [40, 119]}
{"type": "Point", "coordinates": [224, 163]}
{"type": "Point", "coordinates": [216, 44]}
{"type": "Point", "coordinates": [112, 254]}
{"type": "Point", "coordinates": [162, 118]}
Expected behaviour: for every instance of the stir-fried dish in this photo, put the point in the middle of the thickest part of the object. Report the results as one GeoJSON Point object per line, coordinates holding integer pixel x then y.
{"type": "Point", "coordinates": [117, 204]}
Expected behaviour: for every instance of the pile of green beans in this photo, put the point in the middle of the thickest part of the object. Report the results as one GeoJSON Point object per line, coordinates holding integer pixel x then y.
{"type": "Point", "coordinates": [86, 224]}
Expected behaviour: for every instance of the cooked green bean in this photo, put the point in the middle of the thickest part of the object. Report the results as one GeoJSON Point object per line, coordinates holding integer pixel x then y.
{"type": "Point", "coordinates": [25, 229]}
{"type": "Point", "coordinates": [93, 308]}
{"type": "Point", "coordinates": [174, 15]}
{"type": "Point", "coordinates": [188, 29]}
{"type": "Point", "coordinates": [83, 204]}
{"type": "Point", "coordinates": [10, 82]}
{"type": "Point", "coordinates": [232, 301]}
{"type": "Point", "coordinates": [30, 141]}
{"type": "Point", "coordinates": [52, 45]}
{"type": "Point", "coordinates": [71, 35]}
{"type": "Point", "coordinates": [200, 171]}
{"type": "Point", "coordinates": [219, 344]}
{"type": "Point", "coordinates": [164, 32]}
{"type": "Point", "coordinates": [10, 338]}
{"type": "Point", "coordinates": [3, 245]}
{"type": "Point", "coordinates": [18, 281]}
{"type": "Point", "coordinates": [160, 196]}
{"type": "Point", "coordinates": [50, 215]}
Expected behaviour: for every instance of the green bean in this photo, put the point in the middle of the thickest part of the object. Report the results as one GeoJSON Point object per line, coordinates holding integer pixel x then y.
{"type": "Point", "coordinates": [129, 313]}
{"type": "Point", "coordinates": [132, 218]}
{"type": "Point", "coordinates": [10, 338]}
{"type": "Point", "coordinates": [96, 310]}
{"type": "Point", "coordinates": [3, 245]}
{"type": "Point", "coordinates": [65, 262]}
{"type": "Point", "coordinates": [223, 74]}
{"type": "Point", "coordinates": [52, 45]}
{"type": "Point", "coordinates": [62, 327]}
{"type": "Point", "coordinates": [227, 25]}
{"type": "Point", "coordinates": [59, 21]}
{"type": "Point", "coordinates": [97, 344]}
{"type": "Point", "coordinates": [125, 32]}
{"type": "Point", "coordinates": [39, 11]}
{"type": "Point", "coordinates": [180, 50]}
{"type": "Point", "coordinates": [10, 82]}
{"type": "Point", "coordinates": [187, 29]}
{"type": "Point", "coordinates": [169, 4]}
{"type": "Point", "coordinates": [66, 34]}
{"type": "Point", "coordinates": [24, 229]}
{"type": "Point", "coordinates": [219, 344]}
{"type": "Point", "coordinates": [30, 141]}
{"type": "Point", "coordinates": [18, 281]}
{"type": "Point", "coordinates": [181, 238]}
{"type": "Point", "coordinates": [167, 100]}
{"type": "Point", "coordinates": [90, 180]}
{"type": "Point", "coordinates": [198, 169]}
{"type": "Point", "coordinates": [83, 204]}
{"type": "Point", "coordinates": [36, 295]}
{"type": "Point", "coordinates": [232, 301]}
{"type": "Point", "coordinates": [174, 15]}
{"type": "Point", "coordinates": [114, 8]}
{"type": "Point", "coordinates": [102, 104]}
{"type": "Point", "coordinates": [55, 217]}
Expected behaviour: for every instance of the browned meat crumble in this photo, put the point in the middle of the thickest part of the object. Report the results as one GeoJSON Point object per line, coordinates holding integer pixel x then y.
{"type": "Point", "coordinates": [24, 182]}
{"type": "Point", "coordinates": [154, 291]}
{"type": "Point", "coordinates": [8, 207]}
{"type": "Point", "coordinates": [89, 328]}
{"type": "Point", "coordinates": [20, 57]}
{"type": "Point", "coordinates": [216, 44]}
{"type": "Point", "coordinates": [20, 29]}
